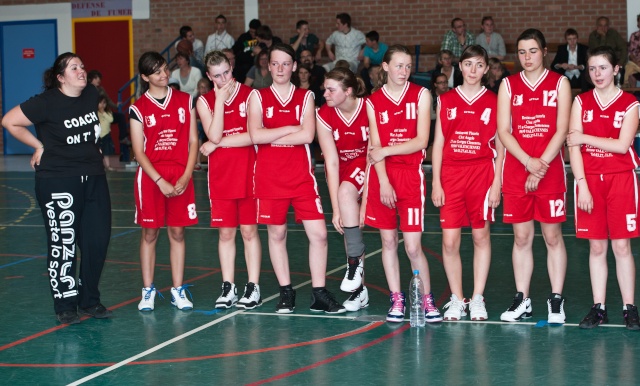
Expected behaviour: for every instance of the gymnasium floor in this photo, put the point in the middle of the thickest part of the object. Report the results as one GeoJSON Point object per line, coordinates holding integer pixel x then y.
{"type": "Point", "coordinates": [208, 346]}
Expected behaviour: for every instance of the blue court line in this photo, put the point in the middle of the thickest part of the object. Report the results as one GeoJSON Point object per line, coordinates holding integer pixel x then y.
{"type": "Point", "coordinates": [32, 258]}
{"type": "Point", "coordinates": [212, 312]}
{"type": "Point", "coordinates": [20, 261]}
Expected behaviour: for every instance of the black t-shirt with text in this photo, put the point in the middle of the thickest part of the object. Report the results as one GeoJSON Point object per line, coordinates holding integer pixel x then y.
{"type": "Point", "coordinates": [68, 127]}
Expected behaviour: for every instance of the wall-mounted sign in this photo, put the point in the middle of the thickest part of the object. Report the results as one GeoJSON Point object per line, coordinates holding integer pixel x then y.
{"type": "Point", "coordinates": [105, 8]}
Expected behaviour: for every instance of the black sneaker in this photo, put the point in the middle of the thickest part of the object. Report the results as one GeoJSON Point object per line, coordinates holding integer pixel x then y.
{"type": "Point", "coordinates": [631, 317]}
{"type": "Point", "coordinates": [287, 302]}
{"type": "Point", "coordinates": [323, 301]}
{"type": "Point", "coordinates": [98, 311]}
{"type": "Point", "coordinates": [68, 317]}
{"type": "Point", "coordinates": [595, 317]}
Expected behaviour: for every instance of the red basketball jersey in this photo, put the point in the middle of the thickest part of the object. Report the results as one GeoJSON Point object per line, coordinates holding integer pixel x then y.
{"type": "Point", "coordinates": [231, 168]}
{"type": "Point", "coordinates": [283, 171]}
{"type": "Point", "coordinates": [469, 126]}
{"type": "Point", "coordinates": [166, 126]}
{"type": "Point", "coordinates": [534, 113]}
{"type": "Point", "coordinates": [351, 135]}
{"type": "Point", "coordinates": [605, 121]}
{"type": "Point", "coordinates": [397, 121]}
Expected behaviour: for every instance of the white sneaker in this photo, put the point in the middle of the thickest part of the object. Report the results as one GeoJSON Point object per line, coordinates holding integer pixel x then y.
{"type": "Point", "coordinates": [179, 297]}
{"type": "Point", "coordinates": [477, 309]}
{"type": "Point", "coordinates": [251, 298]}
{"type": "Point", "coordinates": [555, 306]}
{"type": "Point", "coordinates": [456, 309]}
{"type": "Point", "coordinates": [147, 303]}
{"type": "Point", "coordinates": [229, 296]}
{"type": "Point", "coordinates": [359, 299]}
{"type": "Point", "coordinates": [520, 309]}
{"type": "Point", "coordinates": [353, 277]}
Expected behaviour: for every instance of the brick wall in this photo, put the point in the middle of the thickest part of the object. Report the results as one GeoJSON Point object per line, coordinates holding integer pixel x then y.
{"type": "Point", "coordinates": [398, 21]}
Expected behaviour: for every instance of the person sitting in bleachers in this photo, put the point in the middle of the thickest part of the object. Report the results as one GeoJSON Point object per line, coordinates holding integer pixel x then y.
{"type": "Point", "coordinates": [490, 40]}
{"type": "Point", "coordinates": [571, 60]}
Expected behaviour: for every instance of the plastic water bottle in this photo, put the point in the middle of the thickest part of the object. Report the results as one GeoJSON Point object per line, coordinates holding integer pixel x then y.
{"type": "Point", "coordinates": [416, 312]}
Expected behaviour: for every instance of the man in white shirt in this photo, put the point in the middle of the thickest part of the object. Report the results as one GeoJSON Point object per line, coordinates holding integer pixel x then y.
{"type": "Point", "coordinates": [220, 39]}
{"type": "Point", "coordinates": [348, 42]}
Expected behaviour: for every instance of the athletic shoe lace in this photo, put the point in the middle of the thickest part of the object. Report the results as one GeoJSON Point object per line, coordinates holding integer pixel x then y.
{"type": "Point", "coordinates": [631, 314]}
{"type": "Point", "coordinates": [556, 305]}
{"type": "Point", "coordinates": [355, 294]}
{"type": "Point", "coordinates": [148, 292]}
{"type": "Point", "coordinates": [454, 303]}
{"type": "Point", "coordinates": [516, 303]}
{"type": "Point", "coordinates": [352, 267]}
{"type": "Point", "coordinates": [249, 290]}
{"type": "Point", "coordinates": [476, 305]}
{"type": "Point", "coordinates": [430, 304]}
{"type": "Point", "coordinates": [184, 288]}
{"type": "Point", "coordinates": [397, 303]}
{"type": "Point", "coordinates": [226, 288]}
{"type": "Point", "coordinates": [286, 298]}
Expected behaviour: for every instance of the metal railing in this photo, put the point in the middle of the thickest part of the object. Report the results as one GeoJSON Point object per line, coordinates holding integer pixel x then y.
{"type": "Point", "coordinates": [123, 105]}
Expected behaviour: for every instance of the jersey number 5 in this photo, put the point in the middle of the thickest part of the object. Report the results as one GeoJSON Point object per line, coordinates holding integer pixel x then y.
{"type": "Point", "coordinates": [617, 120]}
{"type": "Point", "coordinates": [631, 222]}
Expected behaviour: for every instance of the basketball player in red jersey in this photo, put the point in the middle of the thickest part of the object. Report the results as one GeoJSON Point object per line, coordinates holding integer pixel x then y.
{"type": "Point", "coordinates": [343, 133]}
{"type": "Point", "coordinates": [603, 125]}
{"type": "Point", "coordinates": [282, 124]}
{"type": "Point", "coordinates": [533, 119]}
{"type": "Point", "coordinates": [232, 156]}
{"type": "Point", "coordinates": [164, 137]}
{"type": "Point", "coordinates": [399, 127]}
{"type": "Point", "coordinates": [467, 177]}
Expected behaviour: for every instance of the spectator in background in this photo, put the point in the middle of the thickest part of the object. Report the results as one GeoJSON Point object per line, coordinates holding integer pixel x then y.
{"type": "Point", "coordinates": [220, 38]}
{"type": "Point", "coordinates": [95, 78]}
{"type": "Point", "coordinates": [186, 75]}
{"type": "Point", "coordinates": [632, 69]}
{"type": "Point", "coordinates": [259, 76]}
{"type": "Point", "coordinates": [439, 85]}
{"type": "Point", "coordinates": [306, 41]}
{"type": "Point", "coordinates": [317, 72]}
{"type": "Point", "coordinates": [445, 60]}
{"type": "Point", "coordinates": [605, 36]}
{"type": "Point", "coordinates": [265, 39]}
{"type": "Point", "coordinates": [491, 41]}
{"type": "Point", "coordinates": [571, 60]}
{"type": "Point", "coordinates": [497, 72]}
{"type": "Point", "coordinates": [348, 44]}
{"type": "Point", "coordinates": [457, 39]}
{"type": "Point", "coordinates": [303, 79]}
{"type": "Point", "coordinates": [228, 52]}
{"type": "Point", "coordinates": [373, 73]}
{"type": "Point", "coordinates": [243, 50]}
{"type": "Point", "coordinates": [373, 54]}
{"type": "Point", "coordinates": [197, 48]}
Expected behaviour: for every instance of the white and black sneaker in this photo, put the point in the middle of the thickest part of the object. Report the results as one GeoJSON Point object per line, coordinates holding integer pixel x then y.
{"type": "Point", "coordinates": [358, 300]}
{"type": "Point", "coordinates": [555, 305]}
{"type": "Point", "coordinates": [353, 277]}
{"type": "Point", "coordinates": [520, 309]}
{"type": "Point", "coordinates": [229, 296]}
{"type": "Point", "coordinates": [251, 298]}
{"type": "Point", "coordinates": [323, 301]}
{"type": "Point", "coordinates": [287, 302]}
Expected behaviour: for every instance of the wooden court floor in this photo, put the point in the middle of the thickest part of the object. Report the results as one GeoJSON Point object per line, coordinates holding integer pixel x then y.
{"type": "Point", "coordinates": [208, 346]}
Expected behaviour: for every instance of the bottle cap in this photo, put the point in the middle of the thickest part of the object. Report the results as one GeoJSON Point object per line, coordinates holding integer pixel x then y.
{"type": "Point", "coordinates": [415, 271]}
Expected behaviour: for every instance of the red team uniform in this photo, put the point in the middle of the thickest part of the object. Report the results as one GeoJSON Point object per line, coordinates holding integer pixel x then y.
{"type": "Point", "coordinates": [351, 138]}
{"type": "Point", "coordinates": [166, 125]}
{"type": "Point", "coordinates": [469, 130]}
{"type": "Point", "coordinates": [397, 122]}
{"type": "Point", "coordinates": [534, 114]}
{"type": "Point", "coordinates": [230, 174]}
{"type": "Point", "coordinates": [610, 177]}
{"type": "Point", "coordinates": [284, 173]}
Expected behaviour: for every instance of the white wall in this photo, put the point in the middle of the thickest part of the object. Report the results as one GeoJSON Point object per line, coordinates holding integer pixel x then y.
{"type": "Point", "coordinates": [60, 12]}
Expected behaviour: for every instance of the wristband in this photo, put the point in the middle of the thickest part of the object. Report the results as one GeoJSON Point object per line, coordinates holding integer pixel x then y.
{"type": "Point", "coordinates": [158, 179]}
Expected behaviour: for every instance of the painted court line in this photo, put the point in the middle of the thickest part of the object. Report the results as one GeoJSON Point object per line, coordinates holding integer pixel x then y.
{"type": "Point", "coordinates": [189, 333]}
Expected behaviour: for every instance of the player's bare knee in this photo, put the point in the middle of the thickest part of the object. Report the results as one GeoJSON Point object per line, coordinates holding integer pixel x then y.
{"type": "Point", "coordinates": [249, 232]}
{"type": "Point", "coordinates": [227, 234]}
{"type": "Point", "coordinates": [150, 235]}
{"type": "Point", "coordinates": [176, 234]}
{"type": "Point", "coordinates": [621, 248]}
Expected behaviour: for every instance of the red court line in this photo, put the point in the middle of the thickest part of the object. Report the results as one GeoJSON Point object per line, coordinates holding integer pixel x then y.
{"type": "Point", "coordinates": [333, 358]}
{"type": "Point", "coordinates": [119, 305]}
{"type": "Point", "coordinates": [357, 331]}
